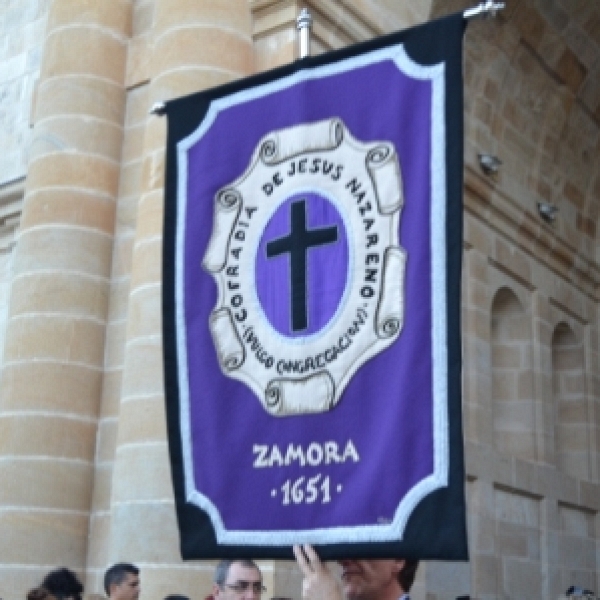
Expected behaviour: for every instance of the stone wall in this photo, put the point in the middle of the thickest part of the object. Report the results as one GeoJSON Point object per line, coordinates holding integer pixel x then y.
{"type": "Point", "coordinates": [532, 411]}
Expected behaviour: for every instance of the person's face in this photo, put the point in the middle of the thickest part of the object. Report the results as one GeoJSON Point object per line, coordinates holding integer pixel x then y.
{"type": "Point", "coordinates": [371, 579]}
{"type": "Point", "coordinates": [128, 589]}
{"type": "Point", "coordinates": [241, 583]}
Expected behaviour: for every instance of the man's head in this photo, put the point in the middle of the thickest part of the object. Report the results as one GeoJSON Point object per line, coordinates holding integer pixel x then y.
{"type": "Point", "coordinates": [377, 579]}
{"type": "Point", "coordinates": [63, 583]}
{"type": "Point", "coordinates": [237, 580]}
{"type": "Point", "coordinates": [122, 582]}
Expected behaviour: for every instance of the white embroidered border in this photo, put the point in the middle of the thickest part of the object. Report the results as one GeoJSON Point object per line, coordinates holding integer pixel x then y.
{"type": "Point", "coordinates": [366, 533]}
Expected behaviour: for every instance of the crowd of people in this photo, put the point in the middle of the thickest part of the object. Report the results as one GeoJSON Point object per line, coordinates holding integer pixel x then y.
{"type": "Point", "coordinates": [241, 579]}
{"type": "Point", "coordinates": [121, 582]}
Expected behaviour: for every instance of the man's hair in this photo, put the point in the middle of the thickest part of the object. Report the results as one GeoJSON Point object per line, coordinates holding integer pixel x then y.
{"type": "Point", "coordinates": [223, 569]}
{"type": "Point", "coordinates": [63, 583]}
{"type": "Point", "coordinates": [406, 577]}
{"type": "Point", "coordinates": [116, 574]}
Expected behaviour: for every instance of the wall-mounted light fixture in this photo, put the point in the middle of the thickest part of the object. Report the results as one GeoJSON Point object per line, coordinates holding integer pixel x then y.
{"type": "Point", "coordinates": [580, 592]}
{"type": "Point", "coordinates": [489, 164]}
{"type": "Point", "coordinates": [547, 211]}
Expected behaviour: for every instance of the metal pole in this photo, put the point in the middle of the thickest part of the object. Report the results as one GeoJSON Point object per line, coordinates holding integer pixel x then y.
{"type": "Point", "coordinates": [489, 7]}
{"type": "Point", "coordinates": [303, 24]}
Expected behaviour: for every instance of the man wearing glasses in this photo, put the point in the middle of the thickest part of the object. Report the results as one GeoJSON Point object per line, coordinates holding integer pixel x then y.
{"type": "Point", "coordinates": [237, 580]}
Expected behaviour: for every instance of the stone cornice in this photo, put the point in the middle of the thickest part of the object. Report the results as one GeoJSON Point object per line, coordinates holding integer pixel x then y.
{"type": "Point", "coordinates": [537, 479]}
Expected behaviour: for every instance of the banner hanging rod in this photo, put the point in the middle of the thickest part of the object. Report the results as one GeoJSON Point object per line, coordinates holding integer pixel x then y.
{"type": "Point", "coordinates": [489, 7]}
{"type": "Point", "coordinates": [304, 21]}
{"type": "Point", "coordinates": [304, 25]}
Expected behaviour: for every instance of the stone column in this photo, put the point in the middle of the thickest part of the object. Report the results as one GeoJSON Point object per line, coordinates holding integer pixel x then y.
{"type": "Point", "coordinates": [196, 45]}
{"type": "Point", "coordinates": [53, 356]}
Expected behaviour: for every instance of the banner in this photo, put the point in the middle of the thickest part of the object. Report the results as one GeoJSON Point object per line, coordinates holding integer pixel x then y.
{"type": "Point", "coordinates": [311, 305]}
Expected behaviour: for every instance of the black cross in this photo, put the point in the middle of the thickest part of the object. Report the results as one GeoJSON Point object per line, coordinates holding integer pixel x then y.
{"type": "Point", "coordinates": [297, 243]}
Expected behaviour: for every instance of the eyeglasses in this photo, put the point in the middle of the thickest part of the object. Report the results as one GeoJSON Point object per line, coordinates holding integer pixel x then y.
{"type": "Point", "coordinates": [239, 587]}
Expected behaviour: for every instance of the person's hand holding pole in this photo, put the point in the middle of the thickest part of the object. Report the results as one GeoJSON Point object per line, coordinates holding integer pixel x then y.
{"type": "Point", "coordinates": [319, 582]}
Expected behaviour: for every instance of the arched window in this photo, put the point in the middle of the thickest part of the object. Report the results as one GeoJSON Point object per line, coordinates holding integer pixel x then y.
{"type": "Point", "coordinates": [571, 418]}
{"type": "Point", "coordinates": [512, 377]}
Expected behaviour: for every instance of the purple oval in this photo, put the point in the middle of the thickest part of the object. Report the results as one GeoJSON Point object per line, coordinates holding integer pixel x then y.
{"type": "Point", "coordinates": [305, 225]}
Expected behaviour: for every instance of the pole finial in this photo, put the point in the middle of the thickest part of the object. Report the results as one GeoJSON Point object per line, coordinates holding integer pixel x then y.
{"type": "Point", "coordinates": [304, 24]}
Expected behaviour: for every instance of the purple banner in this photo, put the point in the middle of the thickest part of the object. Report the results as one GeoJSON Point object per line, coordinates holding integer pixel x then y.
{"type": "Point", "coordinates": [310, 304]}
